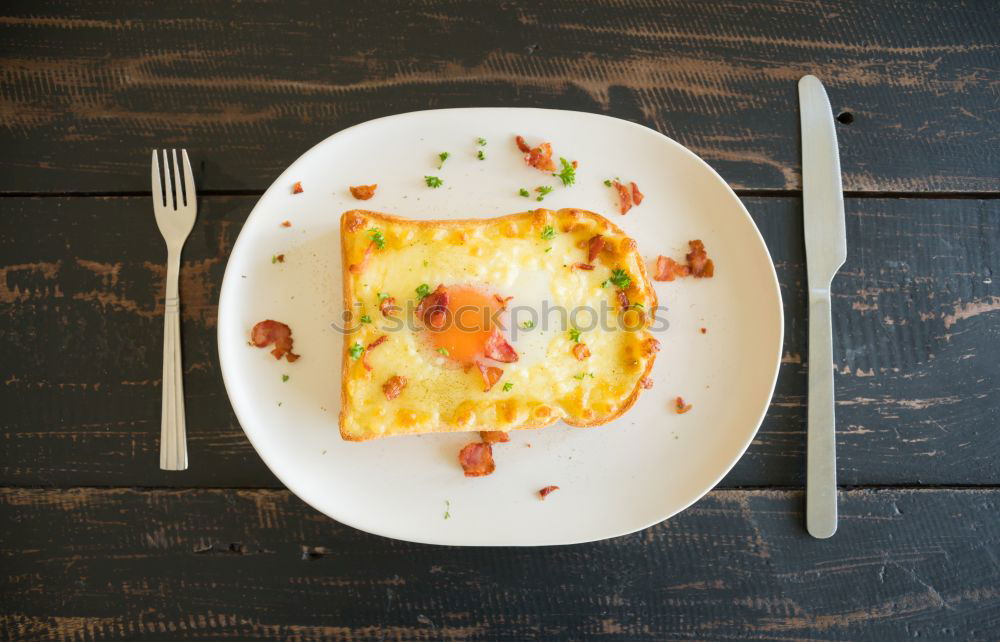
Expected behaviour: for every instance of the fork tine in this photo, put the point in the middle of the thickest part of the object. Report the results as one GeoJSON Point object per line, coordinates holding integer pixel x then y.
{"type": "Point", "coordinates": [188, 180]}
{"type": "Point", "coordinates": [157, 187]}
{"type": "Point", "coordinates": [181, 201]}
{"type": "Point", "coordinates": [170, 184]}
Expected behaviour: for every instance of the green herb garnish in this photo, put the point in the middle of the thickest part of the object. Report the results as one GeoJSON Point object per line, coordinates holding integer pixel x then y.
{"type": "Point", "coordinates": [481, 155]}
{"type": "Point", "coordinates": [365, 318]}
{"type": "Point", "coordinates": [433, 181]}
{"type": "Point", "coordinates": [638, 306]}
{"type": "Point", "coordinates": [423, 290]}
{"type": "Point", "coordinates": [447, 509]}
{"type": "Point", "coordinates": [274, 258]}
{"type": "Point", "coordinates": [574, 334]}
{"type": "Point", "coordinates": [527, 325]}
{"type": "Point", "coordinates": [542, 190]}
{"type": "Point", "coordinates": [580, 376]}
{"type": "Point", "coordinates": [382, 296]}
{"type": "Point", "coordinates": [443, 351]}
{"type": "Point", "coordinates": [568, 173]}
{"type": "Point", "coordinates": [607, 182]}
{"type": "Point", "coordinates": [507, 387]}
{"type": "Point", "coordinates": [620, 278]}
{"type": "Point", "coordinates": [548, 233]}
{"type": "Point", "coordinates": [375, 235]}
{"type": "Point", "coordinates": [284, 378]}
{"type": "Point", "coordinates": [443, 156]}
{"type": "Point", "coordinates": [481, 141]}
{"type": "Point", "coordinates": [523, 192]}
{"type": "Point", "coordinates": [548, 249]}
{"type": "Point", "coordinates": [356, 350]}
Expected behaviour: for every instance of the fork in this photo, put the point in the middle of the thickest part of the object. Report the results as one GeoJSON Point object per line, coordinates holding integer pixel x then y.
{"type": "Point", "coordinates": [175, 214]}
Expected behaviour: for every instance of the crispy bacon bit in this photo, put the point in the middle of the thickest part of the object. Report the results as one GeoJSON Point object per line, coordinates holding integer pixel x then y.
{"type": "Point", "coordinates": [357, 268]}
{"type": "Point", "coordinates": [623, 299]}
{"type": "Point", "coordinates": [624, 198]}
{"type": "Point", "coordinates": [521, 145]}
{"type": "Point", "coordinates": [477, 459]}
{"type": "Point", "coordinates": [491, 375]}
{"type": "Point", "coordinates": [543, 493]}
{"type": "Point", "coordinates": [594, 247]}
{"type": "Point", "coordinates": [581, 351]}
{"type": "Point", "coordinates": [538, 157]}
{"type": "Point", "coordinates": [575, 164]}
{"type": "Point", "coordinates": [637, 196]}
{"type": "Point", "coordinates": [286, 224]}
{"type": "Point", "coordinates": [498, 349]}
{"type": "Point", "coordinates": [646, 382]}
{"type": "Point", "coordinates": [432, 309]}
{"type": "Point", "coordinates": [668, 269]}
{"type": "Point", "coordinates": [494, 436]}
{"type": "Point", "coordinates": [297, 188]}
{"type": "Point", "coordinates": [364, 192]}
{"type": "Point", "coordinates": [280, 258]}
{"type": "Point", "coordinates": [704, 330]}
{"type": "Point", "coordinates": [583, 266]}
{"type": "Point", "coordinates": [371, 346]}
{"type": "Point", "coordinates": [393, 386]}
{"type": "Point", "coordinates": [502, 300]}
{"type": "Point", "coordinates": [387, 306]}
{"type": "Point", "coordinates": [680, 406]}
{"type": "Point", "coordinates": [650, 347]}
{"type": "Point", "coordinates": [701, 266]}
{"type": "Point", "coordinates": [267, 332]}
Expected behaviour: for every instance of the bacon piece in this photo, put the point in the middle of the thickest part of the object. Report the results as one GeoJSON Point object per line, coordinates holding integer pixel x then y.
{"type": "Point", "coordinates": [432, 309]}
{"type": "Point", "coordinates": [583, 266]}
{"type": "Point", "coordinates": [364, 192]}
{"type": "Point", "coordinates": [297, 188]}
{"type": "Point", "coordinates": [701, 266]}
{"type": "Point", "coordinates": [704, 330]}
{"type": "Point", "coordinates": [680, 406]}
{"type": "Point", "coordinates": [521, 145]}
{"type": "Point", "coordinates": [477, 459]}
{"type": "Point", "coordinates": [637, 196]}
{"type": "Point", "coordinates": [543, 493]}
{"type": "Point", "coordinates": [646, 382]}
{"type": "Point", "coordinates": [650, 347]}
{"type": "Point", "coordinates": [624, 198]}
{"type": "Point", "coordinates": [541, 158]}
{"type": "Point", "coordinates": [575, 164]}
{"type": "Point", "coordinates": [357, 268]}
{"type": "Point", "coordinates": [498, 349]}
{"type": "Point", "coordinates": [393, 386]}
{"type": "Point", "coordinates": [581, 351]}
{"type": "Point", "coordinates": [491, 375]}
{"type": "Point", "coordinates": [594, 247]}
{"type": "Point", "coordinates": [286, 224]}
{"type": "Point", "coordinates": [387, 306]}
{"type": "Point", "coordinates": [668, 269]}
{"type": "Point", "coordinates": [280, 258]}
{"type": "Point", "coordinates": [267, 332]}
{"type": "Point", "coordinates": [371, 346]}
{"type": "Point", "coordinates": [502, 300]}
{"type": "Point", "coordinates": [623, 299]}
{"type": "Point", "coordinates": [494, 436]}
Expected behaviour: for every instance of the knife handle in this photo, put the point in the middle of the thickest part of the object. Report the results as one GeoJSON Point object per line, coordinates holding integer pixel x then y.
{"type": "Point", "coordinates": [821, 470]}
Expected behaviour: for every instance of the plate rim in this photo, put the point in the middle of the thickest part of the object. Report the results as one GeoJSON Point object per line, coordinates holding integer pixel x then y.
{"type": "Point", "coordinates": [228, 277]}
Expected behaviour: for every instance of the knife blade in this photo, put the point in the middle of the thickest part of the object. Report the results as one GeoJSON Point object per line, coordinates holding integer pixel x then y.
{"type": "Point", "coordinates": [826, 251]}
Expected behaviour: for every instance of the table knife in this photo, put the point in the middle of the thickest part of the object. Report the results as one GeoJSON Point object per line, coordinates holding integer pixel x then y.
{"type": "Point", "coordinates": [826, 251]}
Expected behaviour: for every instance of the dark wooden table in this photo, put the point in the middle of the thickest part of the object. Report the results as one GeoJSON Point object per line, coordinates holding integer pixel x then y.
{"type": "Point", "coordinates": [97, 543]}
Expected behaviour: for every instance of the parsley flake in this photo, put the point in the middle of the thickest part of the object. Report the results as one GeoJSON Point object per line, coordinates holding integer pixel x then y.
{"type": "Point", "coordinates": [426, 263]}
{"type": "Point", "coordinates": [638, 306]}
{"type": "Point", "coordinates": [443, 351]}
{"type": "Point", "coordinates": [443, 156]}
{"type": "Point", "coordinates": [365, 318]}
{"type": "Point", "coordinates": [481, 141]}
{"type": "Point", "coordinates": [481, 155]}
{"type": "Point", "coordinates": [527, 325]}
{"type": "Point", "coordinates": [507, 387]}
{"type": "Point", "coordinates": [433, 181]}
{"type": "Point", "coordinates": [568, 173]}
{"type": "Point", "coordinates": [574, 334]}
{"type": "Point", "coordinates": [382, 296]}
{"type": "Point", "coordinates": [543, 191]}
{"type": "Point", "coordinates": [523, 192]}
{"type": "Point", "coordinates": [580, 377]}
{"type": "Point", "coordinates": [375, 235]}
{"type": "Point", "coordinates": [620, 278]}
{"type": "Point", "coordinates": [548, 249]}
{"type": "Point", "coordinates": [447, 509]}
{"type": "Point", "coordinates": [356, 350]}
{"type": "Point", "coordinates": [548, 233]}
{"type": "Point", "coordinates": [284, 378]}
{"type": "Point", "coordinates": [607, 182]}
{"type": "Point", "coordinates": [423, 290]}
{"type": "Point", "coordinates": [274, 259]}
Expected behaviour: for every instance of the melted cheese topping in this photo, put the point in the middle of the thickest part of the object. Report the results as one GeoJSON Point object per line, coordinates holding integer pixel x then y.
{"type": "Point", "coordinates": [511, 256]}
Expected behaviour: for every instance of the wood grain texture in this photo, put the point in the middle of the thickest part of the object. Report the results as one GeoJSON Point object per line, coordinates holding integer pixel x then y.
{"type": "Point", "coordinates": [87, 89]}
{"type": "Point", "coordinates": [114, 564]}
{"type": "Point", "coordinates": [916, 316]}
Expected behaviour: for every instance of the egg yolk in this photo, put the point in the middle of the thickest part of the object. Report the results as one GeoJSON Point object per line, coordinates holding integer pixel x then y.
{"type": "Point", "coordinates": [470, 322]}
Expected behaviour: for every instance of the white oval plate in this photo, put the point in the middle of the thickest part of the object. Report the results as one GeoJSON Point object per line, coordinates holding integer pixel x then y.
{"type": "Point", "coordinates": [614, 479]}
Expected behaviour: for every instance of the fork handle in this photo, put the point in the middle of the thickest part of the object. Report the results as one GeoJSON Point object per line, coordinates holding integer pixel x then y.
{"type": "Point", "coordinates": [173, 433]}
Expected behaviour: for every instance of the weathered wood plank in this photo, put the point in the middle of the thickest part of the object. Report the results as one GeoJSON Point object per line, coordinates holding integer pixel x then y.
{"type": "Point", "coordinates": [114, 564]}
{"type": "Point", "coordinates": [916, 314]}
{"type": "Point", "coordinates": [87, 90]}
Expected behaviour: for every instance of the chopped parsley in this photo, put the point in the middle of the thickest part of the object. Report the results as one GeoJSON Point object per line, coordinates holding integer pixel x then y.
{"type": "Point", "coordinates": [579, 377]}
{"type": "Point", "coordinates": [443, 156]}
{"type": "Point", "coordinates": [548, 233]}
{"type": "Point", "coordinates": [284, 378]}
{"type": "Point", "coordinates": [423, 290]}
{"type": "Point", "coordinates": [426, 262]}
{"type": "Point", "coordinates": [568, 173]}
{"type": "Point", "coordinates": [356, 350]}
{"type": "Point", "coordinates": [523, 192]}
{"type": "Point", "coordinates": [375, 235]}
{"type": "Point", "coordinates": [574, 334]}
{"type": "Point", "coordinates": [443, 351]}
{"type": "Point", "coordinates": [365, 318]}
{"type": "Point", "coordinates": [507, 387]}
{"type": "Point", "coordinates": [274, 259]}
{"type": "Point", "coordinates": [382, 296]}
{"type": "Point", "coordinates": [548, 249]}
{"type": "Point", "coordinates": [481, 155]}
{"type": "Point", "coordinates": [542, 190]}
{"type": "Point", "coordinates": [481, 141]}
{"type": "Point", "coordinates": [620, 278]}
{"type": "Point", "coordinates": [447, 509]}
{"type": "Point", "coordinates": [433, 181]}
{"type": "Point", "coordinates": [527, 325]}
{"type": "Point", "coordinates": [607, 182]}
{"type": "Point", "coordinates": [638, 306]}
